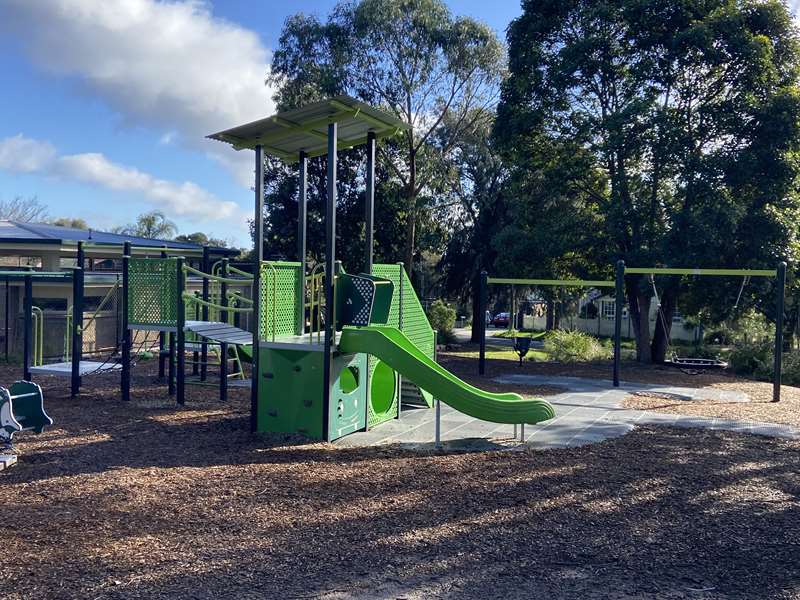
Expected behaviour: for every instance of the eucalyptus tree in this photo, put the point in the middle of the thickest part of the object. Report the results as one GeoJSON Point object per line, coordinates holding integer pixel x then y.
{"type": "Point", "coordinates": [414, 59]}
{"type": "Point", "coordinates": [685, 117]}
{"type": "Point", "coordinates": [153, 224]}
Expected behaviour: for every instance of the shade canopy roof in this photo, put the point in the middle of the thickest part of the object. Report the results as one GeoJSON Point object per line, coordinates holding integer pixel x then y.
{"type": "Point", "coordinates": [286, 134]}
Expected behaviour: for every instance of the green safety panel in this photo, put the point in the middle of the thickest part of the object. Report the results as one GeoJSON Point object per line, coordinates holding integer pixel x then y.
{"type": "Point", "coordinates": [280, 291]}
{"type": "Point", "coordinates": [362, 299]}
{"type": "Point", "coordinates": [153, 292]}
{"type": "Point", "coordinates": [415, 324]}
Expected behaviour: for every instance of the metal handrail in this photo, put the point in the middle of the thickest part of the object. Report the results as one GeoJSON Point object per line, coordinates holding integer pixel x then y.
{"type": "Point", "coordinates": [190, 297]}
{"type": "Point", "coordinates": [316, 295]}
{"type": "Point", "coordinates": [37, 316]}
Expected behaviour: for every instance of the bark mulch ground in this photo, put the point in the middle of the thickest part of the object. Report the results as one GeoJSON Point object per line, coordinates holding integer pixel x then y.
{"type": "Point", "coordinates": [151, 501]}
{"type": "Point", "coordinates": [760, 408]}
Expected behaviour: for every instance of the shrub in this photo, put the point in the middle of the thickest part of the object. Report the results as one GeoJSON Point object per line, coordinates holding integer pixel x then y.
{"type": "Point", "coordinates": [754, 360]}
{"type": "Point", "coordinates": [574, 346]}
{"type": "Point", "coordinates": [790, 371]}
{"type": "Point", "coordinates": [442, 318]}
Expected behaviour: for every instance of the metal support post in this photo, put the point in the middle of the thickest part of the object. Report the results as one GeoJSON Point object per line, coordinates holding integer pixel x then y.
{"type": "Point", "coordinates": [619, 296]}
{"type": "Point", "coordinates": [125, 376]}
{"type": "Point", "coordinates": [779, 303]}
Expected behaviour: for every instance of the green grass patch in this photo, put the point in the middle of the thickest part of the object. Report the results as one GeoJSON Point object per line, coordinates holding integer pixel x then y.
{"type": "Point", "coordinates": [535, 335]}
{"type": "Point", "coordinates": [502, 353]}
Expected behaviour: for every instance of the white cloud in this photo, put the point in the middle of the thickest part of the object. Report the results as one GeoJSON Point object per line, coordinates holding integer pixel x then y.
{"type": "Point", "coordinates": [19, 154]}
{"type": "Point", "coordinates": [186, 199]}
{"type": "Point", "coordinates": [168, 65]}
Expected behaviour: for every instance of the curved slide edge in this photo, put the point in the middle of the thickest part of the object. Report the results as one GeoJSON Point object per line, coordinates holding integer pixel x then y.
{"type": "Point", "coordinates": [395, 349]}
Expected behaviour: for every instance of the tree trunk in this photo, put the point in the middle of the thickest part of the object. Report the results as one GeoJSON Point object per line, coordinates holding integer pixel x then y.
{"type": "Point", "coordinates": [411, 207]}
{"type": "Point", "coordinates": [549, 321]}
{"type": "Point", "coordinates": [477, 314]}
{"type": "Point", "coordinates": [411, 231]}
{"type": "Point", "coordinates": [663, 327]}
{"type": "Point", "coordinates": [639, 308]}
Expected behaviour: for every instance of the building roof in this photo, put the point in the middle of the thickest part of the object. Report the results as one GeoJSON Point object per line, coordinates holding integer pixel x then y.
{"type": "Point", "coordinates": [288, 133]}
{"type": "Point", "coordinates": [42, 233]}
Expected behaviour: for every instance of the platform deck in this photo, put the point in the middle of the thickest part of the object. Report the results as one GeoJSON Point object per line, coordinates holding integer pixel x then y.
{"type": "Point", "coordinates": [64, 369]}
{"type": "Point", "coordinates": [220, 332]}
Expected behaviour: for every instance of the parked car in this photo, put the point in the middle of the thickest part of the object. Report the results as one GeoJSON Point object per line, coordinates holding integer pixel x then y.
{"type": "Point", "coordinates": [501, 319]}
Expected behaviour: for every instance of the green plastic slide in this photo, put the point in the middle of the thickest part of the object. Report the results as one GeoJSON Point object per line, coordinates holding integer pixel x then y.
{"type": "Point", "coordinates": [395, 349]}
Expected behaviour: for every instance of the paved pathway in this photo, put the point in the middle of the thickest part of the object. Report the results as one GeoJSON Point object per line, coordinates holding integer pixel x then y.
{"type": "Point", "coordinates": [590, 411]}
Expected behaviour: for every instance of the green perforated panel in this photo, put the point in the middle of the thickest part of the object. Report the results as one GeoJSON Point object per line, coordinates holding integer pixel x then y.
{"type": "Point", "coordinates": [391, 272]}
{"type": "Point", "coordinates": [415, 322]}
{"type": "Point", "coordinates": [153, 292]}
{"type": "Point", "coordinates": [280, 289]}
{"type": "Point", "coordinates": [406, 313]}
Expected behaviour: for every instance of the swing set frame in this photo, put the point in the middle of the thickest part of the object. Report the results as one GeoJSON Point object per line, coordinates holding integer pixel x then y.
{"type": "Point", "coordinates": [618, 284]}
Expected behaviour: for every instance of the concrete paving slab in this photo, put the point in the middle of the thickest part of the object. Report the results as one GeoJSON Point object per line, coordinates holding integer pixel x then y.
{"type": "Point", "coordinates": [589, 412]}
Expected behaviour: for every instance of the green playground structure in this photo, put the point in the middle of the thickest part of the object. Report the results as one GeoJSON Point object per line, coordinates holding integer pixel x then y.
{"type": "Point", "coordinates": [332, 352]}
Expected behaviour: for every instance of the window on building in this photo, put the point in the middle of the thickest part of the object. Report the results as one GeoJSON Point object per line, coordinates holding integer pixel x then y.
{"type": "Point", "coordinates": [609, 309]}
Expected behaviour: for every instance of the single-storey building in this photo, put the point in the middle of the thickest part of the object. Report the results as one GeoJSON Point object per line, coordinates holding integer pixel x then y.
{"type": "Point", "coordinates": [41, 247]}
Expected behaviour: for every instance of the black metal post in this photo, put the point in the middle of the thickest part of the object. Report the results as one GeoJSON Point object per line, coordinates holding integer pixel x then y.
{"type": "Point", "coordinates": [180, 334]}
{"type": "Point", "coordinates": [330, 279]}
{"type": "Point", "coordinates": [779, 300]}
{"type": "Point", "coordinates": [77, 322]}
{"type": "Point", "coordinates": [27, 334]}
{"type": "Point", "coordinates": [223, 347]}
{"type": "Point", "coordinates": [162, 341]}
{"type": "Point", "coordinates": [204, 311]}
{"type": "Point", "coordinates": [125, 377]}
{"type": "Point", "coordinates": [369, 203]}
{"type": "Point", "coordinates": [171, 363]}
{"type": "Point", "coordinates": [619, 296]}
{"type": "Point", "coordinates": [302, 218]}
{"type": "Point", "coordinates": [482, 293]}
{"type": "Point", "coordinates": [369, 233]}
{"type": "Point", "coordinates": [7, 311]}
{"type": "Point", "coordinates": [195, 353]}
{"type": "Point", "coordinates": [258, 230]}
{"type": "Point", "coordinates": [401, 322]}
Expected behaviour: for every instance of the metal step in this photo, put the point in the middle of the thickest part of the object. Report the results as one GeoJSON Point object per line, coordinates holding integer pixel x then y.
{"type": "Point", "coordinates": [411, 394]}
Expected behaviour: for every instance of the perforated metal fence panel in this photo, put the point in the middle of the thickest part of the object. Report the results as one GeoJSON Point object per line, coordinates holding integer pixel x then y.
{"type": "Point", "coordinates": [279, 292]}
{"type": "Point", "coordinates": [153, 292]}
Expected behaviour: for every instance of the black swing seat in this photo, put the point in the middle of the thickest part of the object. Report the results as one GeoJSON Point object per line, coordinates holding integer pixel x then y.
{"type": "Point", "coordinates": [696, 363]}
{"type": "Point", "coordinates": [522, 345]}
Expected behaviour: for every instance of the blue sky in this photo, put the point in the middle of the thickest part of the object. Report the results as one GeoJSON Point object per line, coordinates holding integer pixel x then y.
{"type": "Point", "coordinates": [106, 103]}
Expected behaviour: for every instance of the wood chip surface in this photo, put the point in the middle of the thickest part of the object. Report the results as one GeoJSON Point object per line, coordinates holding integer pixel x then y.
{"type": "Point", "coordinates": [147, 500]}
